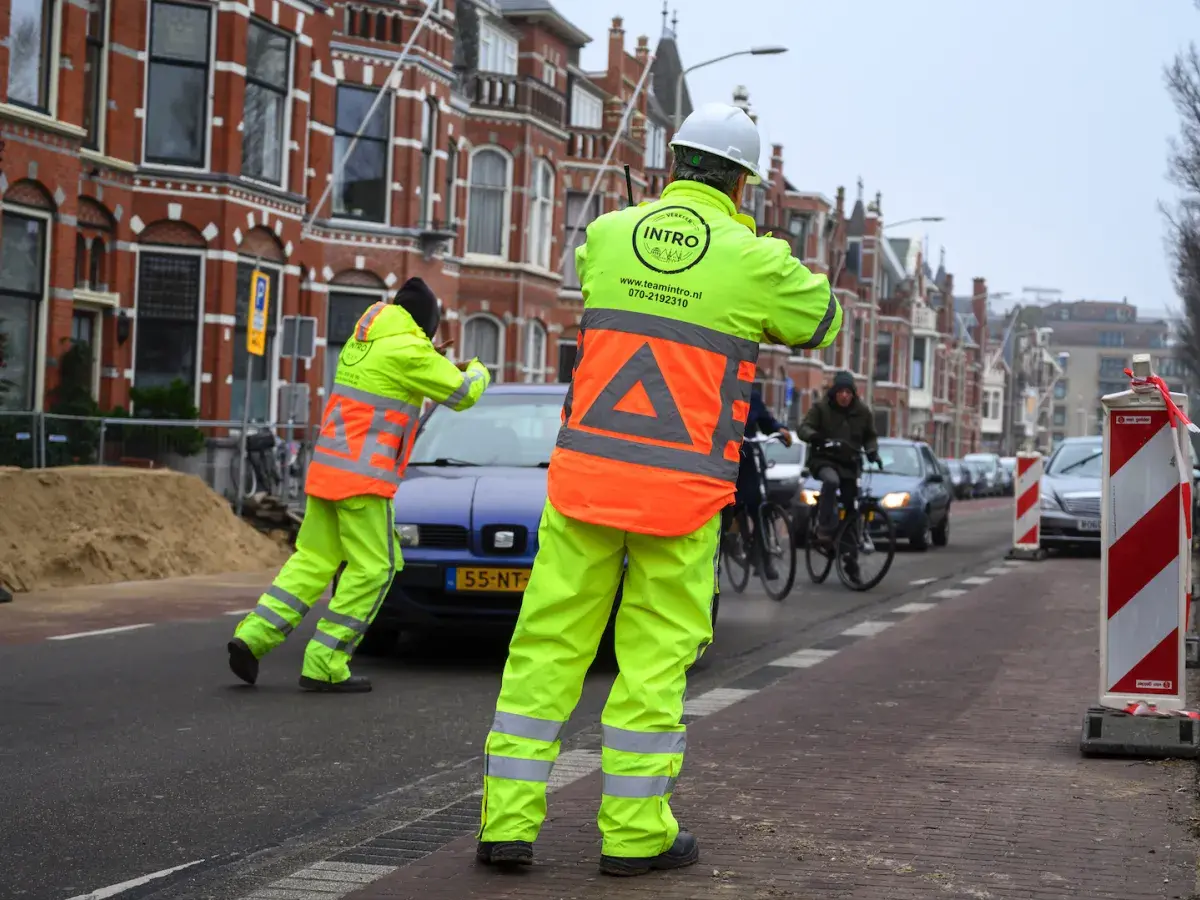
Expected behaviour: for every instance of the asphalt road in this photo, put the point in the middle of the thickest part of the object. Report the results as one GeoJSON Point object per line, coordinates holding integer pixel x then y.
{"type": "Point", "coordinates": [129, 753]}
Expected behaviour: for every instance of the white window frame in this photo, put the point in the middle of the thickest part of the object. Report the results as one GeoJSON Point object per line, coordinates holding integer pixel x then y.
{"type": "Point", "coordinates": [500, 342]}
{"type": "Point", "coordinates": [541, 209]}
{"type": "Point", "coordinates": [656, 146]}
{"type": "Point", "coordinates": [389, 107]}
{"type": "Point", "coordinates": [430, 122]}
{"type": "Point", "coordinates": [43, 316]}
{"type": "Point", "coordinates": [54, 62]}
{"type": "Point", "coordinates": [506, 220]}
{"type": "Point", "coordinates": [549, 73]}
{"type": "Point", "coordinates": [502, 51]}
{"type": "Point", "coordinates": [288, 102]}
{"type": "Point", "coordinates": [533, 373]}
{"type": "Point", "coordinates": [208, 100]}
{"type": "Point", "coordinates": [102, 111]}
{"type": "Point", "coordinates": [96, 313]}
{"type": "Point", "coordinates": [164, 249]}
{"type": "Point", "coordinates": [380, 294]}
{"type": "Point", "coordinates": [593, 105]}
{"type": "Point", "coordinates": [276, 302]}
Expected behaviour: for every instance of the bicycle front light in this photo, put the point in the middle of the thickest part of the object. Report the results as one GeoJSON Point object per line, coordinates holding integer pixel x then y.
{"type": "Point", "coordinates": [894, 500]}
{"type": "Point", "coordinates": [410, 535]}
{"type": "Point", "coordinates": [809, 497]}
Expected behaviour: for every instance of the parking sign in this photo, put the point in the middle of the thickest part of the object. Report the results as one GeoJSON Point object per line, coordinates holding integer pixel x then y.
{"type": "Point", "coordinates": [260, 299]}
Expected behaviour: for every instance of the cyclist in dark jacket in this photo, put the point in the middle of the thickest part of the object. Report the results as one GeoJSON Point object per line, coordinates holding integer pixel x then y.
{"type": "Point", "coordinates": [839, 417]}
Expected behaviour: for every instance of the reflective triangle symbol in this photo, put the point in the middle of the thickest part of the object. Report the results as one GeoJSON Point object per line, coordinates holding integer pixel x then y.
{"type": "Point", "coordinates": [638, 403]}
{"type": "Point", "coordinates": [333, 431]}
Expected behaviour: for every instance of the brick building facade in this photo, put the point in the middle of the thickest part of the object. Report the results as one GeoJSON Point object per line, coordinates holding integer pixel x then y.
{"type": "Point", "coordinates": [151, 160]}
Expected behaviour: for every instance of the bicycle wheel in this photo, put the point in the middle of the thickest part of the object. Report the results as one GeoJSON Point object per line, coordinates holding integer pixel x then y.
{"type": "Point", "coordinates": [866, 548]}
{"type": "Point", "coordinates": [817, 559]}
{"type": "Point", "coordinates": [777, 553]}
{"type": "Point", "coordinates": [735, 561]}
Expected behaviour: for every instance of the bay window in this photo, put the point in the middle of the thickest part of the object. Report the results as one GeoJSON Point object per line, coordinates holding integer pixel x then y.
{"type": "Point", "coordinates": [656, 146]}
{"type": "Point", "coordinates": [177, 118]}
{"type": "Point", "coordinates": [93, 72]}
{"type": "Point", "coordinates": [268, 56]}
{"type": "Point", "coordinates": [31, 37]}
{"type": "Point", "coordinates": [169, 304]}
{"type": "Point", "coordinates": [360, 182]}
{"type": "Point", "coordinates": [487, 221]}
{"type": "Point", "coordinates": [541, 224]}
{"type": "Point", "coordinates": [587, 110]}
{"type": "Point", "coordinates": [497, 51]}
{"type": "Point", "coordinates": [263, 368]}
{"type": "Point", "coordinates": [920, 346]}
{"type": "Point", "coordinates": [22, 291]}
{"type": "Point", "coordinates": [576, 238]}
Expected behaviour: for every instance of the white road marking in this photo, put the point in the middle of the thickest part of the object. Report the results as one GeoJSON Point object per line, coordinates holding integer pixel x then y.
{"type": "Point", "coordinates": [715, 701]}
{"type": "Point", "coordinates": [803, 659]}
{"type": "Point", "coordinates": [867, 629]}
{"type": "Point", "coordinates": [1014, 563]}
{"type": "Point", "coordinates": [326, 880]}
{"type": "Point", "coordinates": [921, 581]}
{"type": "Point", "coordinates": [571, 766]}
{"type": "Point", "coordinates": [948, 593]}
{"type": "Point", "coordinates": [113, 889]}
{"type": "Point", "coordinates": [976, 580]}
{"type": "Point", "coordinates": [81, 634]}
{"type": "Point", "coordinates": [240, 612]}
{"type": "Point", "coordinates": [999, 570]}
{"type": "Point", "coordinates": [909, 608]}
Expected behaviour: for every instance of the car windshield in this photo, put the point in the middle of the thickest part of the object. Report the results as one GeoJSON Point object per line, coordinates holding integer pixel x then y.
{"type": "Point", "coordinates": [900, 459]}
{"type": "Point", "coordinates": [784, 456]}
{"type": "Point", "coordinates": [500, 430]}
{"type": "Point", "coordinates": [1082, 460]}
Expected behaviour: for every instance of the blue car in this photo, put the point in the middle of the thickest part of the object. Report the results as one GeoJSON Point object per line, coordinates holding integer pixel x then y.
{"type": "Point", "coordinates": [468, 509]}
{"type": "Point", "coordinates": [912, 487]}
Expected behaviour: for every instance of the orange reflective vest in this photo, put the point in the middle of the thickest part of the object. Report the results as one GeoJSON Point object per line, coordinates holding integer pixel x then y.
{"type": "Point", "coordinates": [652, 423]}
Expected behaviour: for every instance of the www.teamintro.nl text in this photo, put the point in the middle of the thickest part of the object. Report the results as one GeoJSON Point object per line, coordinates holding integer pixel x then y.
{"type": "Point", "coordinates": [661, 293]}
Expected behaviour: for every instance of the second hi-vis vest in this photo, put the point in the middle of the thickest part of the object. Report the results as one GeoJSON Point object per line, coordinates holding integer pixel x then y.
{"type": "Point", "coordinates": [679, 295]}
{"type": "Point", "coordinates": [371, 417]}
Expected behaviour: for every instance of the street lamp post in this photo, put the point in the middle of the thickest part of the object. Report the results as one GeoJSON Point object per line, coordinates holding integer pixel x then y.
{"type": "Point", "coordinates": [677, 113]}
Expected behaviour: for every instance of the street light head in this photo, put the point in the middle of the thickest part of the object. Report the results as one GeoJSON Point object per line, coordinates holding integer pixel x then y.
{"type": "Point", "coordinates": [767, 51]}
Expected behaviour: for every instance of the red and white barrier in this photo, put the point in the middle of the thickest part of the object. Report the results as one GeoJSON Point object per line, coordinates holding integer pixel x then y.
{"type": "Point", "coordinates": [1145, 546]}
{"type": "Point", "coordinates": [1027, 490]}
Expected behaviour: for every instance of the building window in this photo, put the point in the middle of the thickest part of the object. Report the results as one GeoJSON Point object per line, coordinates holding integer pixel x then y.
{"type": "Point", "coordinates": [1060, 389]}
{"type": "Point", "coordinates": [168, 319]}
{"type": "Point", "coordinates": [920, 346]}
{"type": "Point", "coordinates": [535, 351]}
{"type": "Point", "coordinates": [1112, 339]}
{"type": "Point", "coordinates": [429, 129]}
{"type": "Point", "coordinates": [268, 55]}
{"type": "Point", "coordinates": [587, 110]}
{"type": "Point", "coordinates": [1106, 387]}
{"type": "Point", "coordinates": [497, 51]}
{"type": "Point", "coordinates": [1170, 367]}
{"type": "Point", "coordinates": [22, 289]}
{"type": "Point", "coordinates": [986, 407]}
{"type": "Point", "coordinates": [883, 421]}
{"type": "Point", "coordinates": [177, 95]}
{"type": "Point", "coordinates": [1060, 416]}
{"type": "Point", "coordinates": [93, 73]}
{"type": "Point", "coordinates": [541, 227]}
{"type": "Point", "coordinates": [856, 346]}
{"type": "Point", "coordinates": [656, 146]}
{"type": "Point", "coordinates": [263, 368]}
{"type": "Point", "coordinates": [549, 73]}
{"type": "Point", "coordinates": [567, 351]}
{"type": "Point", "coordinates": [883, 356]}
{"type": "Point", "coordinates": [31, 30]}
{"type": "Point", "coordinates": [481, 340]}
{"type": "Point", "coordinates": [576, 237]}
{"type": "Point", "coordinates": [360, 189]}
{"type": "Point", "coordinates": [1112, 366]}
{"type": "Point", "coordinates": [450, 197]}
{"type": "Point", "coordinates": [345, 309]}
{"type": "Point", "coordinates": [487, 222]}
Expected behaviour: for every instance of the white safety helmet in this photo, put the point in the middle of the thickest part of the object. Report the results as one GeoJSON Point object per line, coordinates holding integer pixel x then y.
{"type": "Point", "coordinates": [724, 131]}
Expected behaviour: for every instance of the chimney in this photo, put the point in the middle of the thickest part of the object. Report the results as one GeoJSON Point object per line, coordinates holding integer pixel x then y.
{"type": "Point", "coordinates": [777, 158]}
{"type": "Point", "coordinates": [616, 55]}
{"type": "Point", "coordinates": [979, 306]}
{"type": "Point", "coordinates": [841, 204]}
{"type": "Point", "coordinates": [947, 310]}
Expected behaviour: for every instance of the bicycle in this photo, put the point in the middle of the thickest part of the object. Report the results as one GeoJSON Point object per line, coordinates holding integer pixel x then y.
{"type": "Point", "coordinates": [766, 537]}
{"type": "Point", "coordinates": [865, 532]}
{"type": "Point", "coordinates": [266, 456]}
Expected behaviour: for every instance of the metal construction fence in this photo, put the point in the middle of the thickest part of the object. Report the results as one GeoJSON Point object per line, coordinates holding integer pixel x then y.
{"type": "Point", "coordinates": [210, 450]}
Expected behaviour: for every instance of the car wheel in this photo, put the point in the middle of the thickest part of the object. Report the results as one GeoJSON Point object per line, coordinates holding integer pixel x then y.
{"type": "Point", "coordinates": [941, 534]}
{"type": "Point", "coordinates": [923, 538]}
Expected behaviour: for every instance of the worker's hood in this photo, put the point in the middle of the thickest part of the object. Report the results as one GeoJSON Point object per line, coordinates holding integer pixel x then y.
{"type": "Point", "coordinates": [392, 321]}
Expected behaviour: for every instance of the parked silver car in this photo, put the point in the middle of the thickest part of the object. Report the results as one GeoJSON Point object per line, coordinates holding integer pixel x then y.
{"type": "Point", "coordinates": [993, 473]}
{"type": "Point", "coordinates": [1071, 494]}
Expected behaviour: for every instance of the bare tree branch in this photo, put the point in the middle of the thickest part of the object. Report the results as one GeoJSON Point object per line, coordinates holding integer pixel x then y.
{"type": "Point", "coordinates": [1182, 78]}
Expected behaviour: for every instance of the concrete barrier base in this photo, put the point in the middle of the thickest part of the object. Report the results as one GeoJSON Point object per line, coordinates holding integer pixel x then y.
{"type": "Point", "coordinates": [1192, 650]}
{"type": "Point", "coordinates": [1110, 732]}
{"type": "Point", "coordinates": [1017, 553]}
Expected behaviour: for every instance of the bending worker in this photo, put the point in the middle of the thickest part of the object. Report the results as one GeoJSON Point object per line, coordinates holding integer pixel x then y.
{"type": "Point", "coordinates": [384, 374]}
{"type": "Point", "coordinates": [678, 293]}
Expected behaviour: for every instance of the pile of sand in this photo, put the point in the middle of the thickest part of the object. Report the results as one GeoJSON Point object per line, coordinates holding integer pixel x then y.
{"type": "Point", "coordinates": [92, 525]}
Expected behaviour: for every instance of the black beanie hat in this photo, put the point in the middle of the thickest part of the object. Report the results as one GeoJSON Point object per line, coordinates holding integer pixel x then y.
{"type": "Point", "coordinates": [841, 380]}
{"type": "Point", "coordinates": [421, 303]}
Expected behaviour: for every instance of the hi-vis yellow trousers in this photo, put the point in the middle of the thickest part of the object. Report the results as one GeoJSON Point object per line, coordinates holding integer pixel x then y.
{"type": "Point", "coordinates": [359, 531]}
{"type": "Point", "coordinates": [663, 626]}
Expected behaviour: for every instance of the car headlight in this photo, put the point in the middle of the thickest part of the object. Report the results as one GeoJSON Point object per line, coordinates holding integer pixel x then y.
{"type": "Point", "coordinates": [410, 535]}
{"type": "Point", "coordinates": [1049, 502]}
{"type": "Point", "coordinates": [894, 500]}
{"type": "Point", "coordinates": [810, 497]}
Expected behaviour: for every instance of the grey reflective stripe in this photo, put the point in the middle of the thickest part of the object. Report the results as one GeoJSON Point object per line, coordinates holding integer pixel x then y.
{"type": "Point", "coordinates": [649, 325]}
{"type": "Point", "coordinates": [274, 618]}
{"type": "Point", "coordinates": [351, 646]}
{"type": "Point", "coordinates": [637, 786]}
{"type": "Point", "coordinates": [728, 429]}
{"type": "Point", "coordinates": [291, 601]}
{"type": "Point", "coordinates": [460, 392]}
{"type": "Point", "coordinates": [333, 643]}
{"type": "Point", "coordinates": [345, 621]}
{"type": "Point", "coordinates": [615, 448]}
{"type": "Point", "coordinates": [354, 467]}
{"type": "Point", "coordinates": [379, 401]}
{"type": "Point", "coordinates": [644, 741]}
{"type": "Point", "coordinates": [516, 769]}
{"type": "Point", "coordinates": [667, 422]}
{"type": "Point", "coordinates": [823, 326]}
{"type": "Point", "coordinates": [527, 726]}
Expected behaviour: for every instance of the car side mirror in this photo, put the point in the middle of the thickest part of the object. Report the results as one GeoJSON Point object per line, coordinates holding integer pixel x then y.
{"type": "Point", "coordinates": [936, 478]}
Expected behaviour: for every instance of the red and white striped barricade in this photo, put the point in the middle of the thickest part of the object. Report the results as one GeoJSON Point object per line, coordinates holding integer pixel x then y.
{"type": "Point", "coordinates": [1027, 507]}
{"type": "Point", "coordinates": [1145, 524]}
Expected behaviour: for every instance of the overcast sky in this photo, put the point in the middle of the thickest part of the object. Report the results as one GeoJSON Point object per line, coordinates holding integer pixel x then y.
{"type": "Point", "coordinates": [1037, 128]}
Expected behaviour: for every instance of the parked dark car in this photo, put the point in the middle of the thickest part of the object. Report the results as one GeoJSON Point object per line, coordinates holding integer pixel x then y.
{"type": "Point", "coordinates": [1008, 465]}
{"type": "Point", "coordinates": [1070, 494]}
{"type": "Point", "coordinates": [962, 479]}
{"type": "Point", "coordinates": [993, 472]}
{"type": "Point", "coordinates": [911, 487]}
{"type": "Point", "coordinates": [979, 486]}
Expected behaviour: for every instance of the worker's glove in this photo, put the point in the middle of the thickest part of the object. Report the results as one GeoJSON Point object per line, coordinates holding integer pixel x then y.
{"type": "Point", "coordinates": [873, 458]}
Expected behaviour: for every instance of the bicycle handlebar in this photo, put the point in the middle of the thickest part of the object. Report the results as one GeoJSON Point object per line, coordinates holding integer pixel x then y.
{"type": "Point", "coordinates": [764, 439]}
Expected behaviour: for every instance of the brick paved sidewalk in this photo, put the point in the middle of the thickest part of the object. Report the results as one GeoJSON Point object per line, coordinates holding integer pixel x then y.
{"type": "Point", "coordinates": [938, 759]}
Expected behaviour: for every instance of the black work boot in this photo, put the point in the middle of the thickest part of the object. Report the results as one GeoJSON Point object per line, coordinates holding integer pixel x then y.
{"type": "Point", "coordinates": [684, 852]}
{"type": "Point", "coordinates": [242, 660]}
{"type": "Point", "coordinates": [355, 684]}
{"type": "Point", "coordinates": [505, 853]}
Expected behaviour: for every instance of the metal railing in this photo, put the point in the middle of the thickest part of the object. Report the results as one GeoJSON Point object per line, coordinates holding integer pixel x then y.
{"type": "Point", "coordinates": [208, 449]}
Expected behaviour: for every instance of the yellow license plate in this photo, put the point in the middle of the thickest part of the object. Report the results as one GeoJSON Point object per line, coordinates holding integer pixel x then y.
{"type": "Point", "coordinates": [491, 580]}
